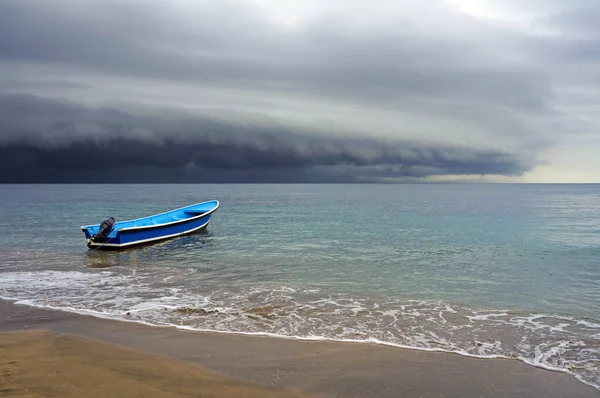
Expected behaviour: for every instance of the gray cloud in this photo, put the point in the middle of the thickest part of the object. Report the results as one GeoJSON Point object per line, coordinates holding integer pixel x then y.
{"type": "Point", "coordinates": [229, 44]}
{"type": "Point", "coordinates": [44, 140]}
{"type": "Point", "coordinates": [427, 78]}
{"type": "Point", "coordinates": [576, 20]}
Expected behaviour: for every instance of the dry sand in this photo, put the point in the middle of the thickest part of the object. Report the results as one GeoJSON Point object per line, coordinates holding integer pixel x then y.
{"type": "Point", "coordinates": [326, 369]}
{"type": "Point", "coordinates": [45, 364]}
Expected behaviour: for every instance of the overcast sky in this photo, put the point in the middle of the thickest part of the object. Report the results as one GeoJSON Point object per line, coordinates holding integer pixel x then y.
{"type": "Point", "coordinates": [300, 90]}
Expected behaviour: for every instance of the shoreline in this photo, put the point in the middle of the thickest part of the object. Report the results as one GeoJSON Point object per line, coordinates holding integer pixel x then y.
{"type": "Point", "coordinates": [116, 318]}
{"type": "Point", "coordinates": [310, 367]}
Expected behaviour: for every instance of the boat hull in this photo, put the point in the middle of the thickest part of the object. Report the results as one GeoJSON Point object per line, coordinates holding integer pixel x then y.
{"type": "Point", "coordinates": [132, 234]}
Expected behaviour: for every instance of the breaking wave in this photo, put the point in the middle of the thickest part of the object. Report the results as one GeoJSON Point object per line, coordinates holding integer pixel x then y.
{"type": "Point", "coordinates": [560, 343]}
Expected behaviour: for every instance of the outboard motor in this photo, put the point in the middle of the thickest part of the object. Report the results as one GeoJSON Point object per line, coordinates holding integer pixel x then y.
{"type": "Point", "coordinates": [105, 228]}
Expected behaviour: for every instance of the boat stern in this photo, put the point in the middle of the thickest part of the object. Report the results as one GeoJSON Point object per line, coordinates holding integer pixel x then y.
{"type": "Point", "coordinates": [97, 235]}
{"type": "Point", "coordinates": [86, 232]}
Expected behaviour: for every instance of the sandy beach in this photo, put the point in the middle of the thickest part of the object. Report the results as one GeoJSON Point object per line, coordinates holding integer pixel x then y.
{"type": "Point", "coordinates": [39, 363]}
{"type": "Point", "coordinates": [56, 353]}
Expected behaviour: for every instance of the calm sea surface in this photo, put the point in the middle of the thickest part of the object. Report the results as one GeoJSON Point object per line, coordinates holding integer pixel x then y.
{"type": "Point", "coordinates": [481, 270]}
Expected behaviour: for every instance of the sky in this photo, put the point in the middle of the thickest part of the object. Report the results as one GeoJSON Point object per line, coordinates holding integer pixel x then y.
{"type": "Point", "coordinates": [300, 91]}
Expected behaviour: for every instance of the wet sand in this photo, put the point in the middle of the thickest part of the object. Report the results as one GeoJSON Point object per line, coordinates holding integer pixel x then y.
{"type": "Point", "coordinates": [324, 369]}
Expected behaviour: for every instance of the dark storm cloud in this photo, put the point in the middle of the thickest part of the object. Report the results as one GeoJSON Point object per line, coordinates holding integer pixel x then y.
{"type": "Point", "coordinates": [421, 70]}
{"type": "Point", "coordinates": [44, 140]}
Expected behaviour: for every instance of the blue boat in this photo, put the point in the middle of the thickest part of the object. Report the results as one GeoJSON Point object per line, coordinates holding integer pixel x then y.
{"type": "Point", "coordinates": [115, 235]}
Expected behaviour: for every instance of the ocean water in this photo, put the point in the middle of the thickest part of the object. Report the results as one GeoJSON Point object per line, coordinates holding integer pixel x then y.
{"type": "Point", "coordinates": [480, 270]}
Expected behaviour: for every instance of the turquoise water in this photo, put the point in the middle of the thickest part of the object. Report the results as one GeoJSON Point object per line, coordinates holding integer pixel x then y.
{"type": "Point", "coordinates": [483, 270]}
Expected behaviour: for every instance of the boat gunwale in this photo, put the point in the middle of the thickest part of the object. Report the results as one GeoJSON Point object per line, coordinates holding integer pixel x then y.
{"type": "Point", "coordinates": [143, 227]}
